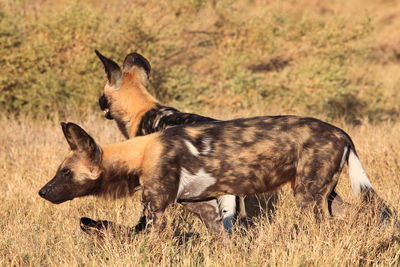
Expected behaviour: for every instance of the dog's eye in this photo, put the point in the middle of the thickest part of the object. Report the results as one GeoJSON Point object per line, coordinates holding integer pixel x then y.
{"type": "Point", "coordinates": [66, 172]}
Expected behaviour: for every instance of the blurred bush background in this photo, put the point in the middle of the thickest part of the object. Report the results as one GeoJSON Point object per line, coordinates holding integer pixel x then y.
{"type": "Point", "coordinates": [331, 59]}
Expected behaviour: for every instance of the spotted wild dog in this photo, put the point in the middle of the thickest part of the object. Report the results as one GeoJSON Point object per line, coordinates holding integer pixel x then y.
{"type": "Point", "coordinates": [210, 159]}
{"type": "Point", "coordinates": [127, 101]}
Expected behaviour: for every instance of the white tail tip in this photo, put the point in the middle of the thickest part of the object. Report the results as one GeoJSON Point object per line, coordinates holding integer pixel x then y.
{"type": "Point", "coordinates": [358, 177]}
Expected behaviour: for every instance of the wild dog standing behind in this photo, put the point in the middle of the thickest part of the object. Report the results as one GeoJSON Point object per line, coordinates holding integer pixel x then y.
{"type": "Point", "coordinates": [240, 157]}
{"type": "Point", "coordinates": [127, 100]}
{"type": "Point", "coordinates": [136, 112]}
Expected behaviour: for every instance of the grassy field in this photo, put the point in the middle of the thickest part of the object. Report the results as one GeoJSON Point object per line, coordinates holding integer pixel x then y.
{"type": "Point", "coordinates": [36, 232]}
{"type": "Point", "coordinates": [336, 60]}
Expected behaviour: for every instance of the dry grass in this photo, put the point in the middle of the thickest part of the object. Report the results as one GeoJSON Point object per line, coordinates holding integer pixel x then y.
{"type": "Point", "coordinates": [36, 232]}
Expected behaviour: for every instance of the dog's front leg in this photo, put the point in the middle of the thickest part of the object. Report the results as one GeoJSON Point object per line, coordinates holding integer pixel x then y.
{"type": "Point", "coordinates": [141, 225]}
{"type": "Point", "coordinates": [154, 206]}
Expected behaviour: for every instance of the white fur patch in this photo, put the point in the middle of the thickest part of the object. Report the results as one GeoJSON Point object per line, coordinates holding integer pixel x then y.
{"type": "Point", "coordinates": [164, 114]}
{"type": "Point", "coordinates": [157, 122]}
{"type": "Point", "coordinates": [227, 207]}
{"type": "Point", "coordinates": [358, 177]}
{"type": "Point", "coordinates": [343, 157]}
{"type": "Point", "coordinates": [207, 146]}
{"type": "Point", "coordinates": [193, 185]}
{"type": "Point", "coordinates": [167, 113]}
{"type": "Point", "coordinates": [191, 148]}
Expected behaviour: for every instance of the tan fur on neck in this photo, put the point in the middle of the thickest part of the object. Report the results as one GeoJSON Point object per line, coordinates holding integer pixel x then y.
{"type": "Point", "coordinates": [122, 165]}
{"type": "Point", "coordinates": [132, 99]}
{"type": "Point", "coordinates": [127, 156]}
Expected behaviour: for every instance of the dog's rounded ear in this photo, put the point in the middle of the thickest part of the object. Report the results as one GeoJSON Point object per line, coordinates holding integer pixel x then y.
{"type": "Point", "coordinates": [136, 60]}
{"type": "Point", "coordinates": [112, 70]}
{"type": "Point", "coordinates": [81, 141]}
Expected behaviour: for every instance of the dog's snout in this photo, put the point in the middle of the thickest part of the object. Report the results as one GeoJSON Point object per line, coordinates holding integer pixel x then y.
{"type": "Point", "coordinates": [42, 192]}
{"type": "Point", "coordinates": [103, 102]}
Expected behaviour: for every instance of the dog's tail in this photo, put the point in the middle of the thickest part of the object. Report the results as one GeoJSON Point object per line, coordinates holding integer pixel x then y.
{"type": "Point", "coordinates": [361, 185]}
{"type": "Point", "coordinates": [358, 177]}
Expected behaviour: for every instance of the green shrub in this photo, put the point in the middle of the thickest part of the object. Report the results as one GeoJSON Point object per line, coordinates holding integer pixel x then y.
{"type": "Point", "coordinates": [292, 59]}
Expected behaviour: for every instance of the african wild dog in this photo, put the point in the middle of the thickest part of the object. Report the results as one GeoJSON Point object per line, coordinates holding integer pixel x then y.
{"type": "Point", "coordinates": [127, 101]}
{"type": "Point", "coordinates": [210, 159]}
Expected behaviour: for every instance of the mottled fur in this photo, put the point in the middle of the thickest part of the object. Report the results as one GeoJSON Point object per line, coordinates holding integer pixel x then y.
{"type": "Point", "coordinates": [304, 151]}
